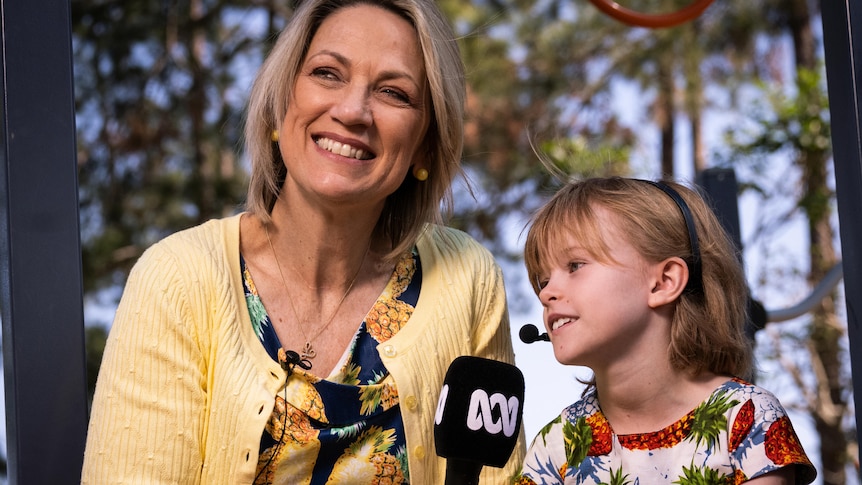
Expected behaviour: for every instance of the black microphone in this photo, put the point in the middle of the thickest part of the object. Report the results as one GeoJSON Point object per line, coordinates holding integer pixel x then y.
{"type": "Point", "coordinates": [293, 359]}
{"type": "Point", "coordinates": [478, 417]}
{"type": "Point", "coordinates": [529, 333]}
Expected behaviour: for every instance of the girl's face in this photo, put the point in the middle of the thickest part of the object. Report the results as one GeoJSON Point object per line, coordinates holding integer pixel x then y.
{"type": "Point", "coordinates": [359, 110]}
{"type": "Point", "coordinates": [596, 311]}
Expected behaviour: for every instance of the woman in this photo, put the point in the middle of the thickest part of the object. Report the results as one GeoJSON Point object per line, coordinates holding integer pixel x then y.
{"type": "Point", "coordinates": [306, 340]}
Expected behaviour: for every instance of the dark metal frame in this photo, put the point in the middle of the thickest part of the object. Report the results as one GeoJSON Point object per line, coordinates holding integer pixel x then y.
{"type": "Point", "coordinates": [40, 250]}
{"type": "Point", "coordinates": [40, 265]}
{"type": "Point", "coordinates": [842, 42]}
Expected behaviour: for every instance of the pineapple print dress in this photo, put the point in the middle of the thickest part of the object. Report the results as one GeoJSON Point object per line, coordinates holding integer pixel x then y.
{"type": "Point", "coordinates": [740, 432]}
{"type": "Point", "coordinates": [347, 428]}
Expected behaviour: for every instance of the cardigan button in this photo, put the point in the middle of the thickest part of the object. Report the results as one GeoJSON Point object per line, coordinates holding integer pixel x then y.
{"type": "Point", "coordinates": [419, 452]}
{"type": "Point", "coordinates": [411, 403]}
{"type": "Point", "coordinates": [389, 351]}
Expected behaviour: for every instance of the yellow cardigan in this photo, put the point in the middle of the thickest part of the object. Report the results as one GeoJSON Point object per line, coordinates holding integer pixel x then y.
{"type": "Point", "coordinates": [185, 387]}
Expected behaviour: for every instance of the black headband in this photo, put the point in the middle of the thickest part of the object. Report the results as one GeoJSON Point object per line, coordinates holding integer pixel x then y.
{"type": "Point", "coordinates": [695, 278]}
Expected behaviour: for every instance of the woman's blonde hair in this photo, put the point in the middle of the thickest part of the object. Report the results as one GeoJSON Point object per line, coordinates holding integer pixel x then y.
{"type": "Point", "coordinates": [414, 203]}
{"type": "Point", "coordinates": [707, 330]}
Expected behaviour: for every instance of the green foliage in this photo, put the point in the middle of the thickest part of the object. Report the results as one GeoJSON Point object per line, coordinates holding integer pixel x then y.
{"type": "Point", "coordinates": [576, 158]}
{"type": "Point", "coordinates": [796, 124]}
{"type": "Point", "coordinates": [797, 121]}
{"type": "Point", "coordinates": [158, 101]}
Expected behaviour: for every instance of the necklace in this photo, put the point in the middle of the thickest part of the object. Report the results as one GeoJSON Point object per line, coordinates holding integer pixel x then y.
{"type": "Point", "coordinates": [308, 351]}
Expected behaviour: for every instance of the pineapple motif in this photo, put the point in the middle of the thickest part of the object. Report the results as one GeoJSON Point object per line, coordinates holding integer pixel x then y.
{"type": "Point", "coordinates": [372, 450]}
{"type": "Point", "coordinates": [617, 478]}
{"type": "Point", "coordinates": [739, 477]}
{"type": "Point", "coordinates": [389, 396]}
{"type": "Point", "coordinates": [602, 436]}
{"type": "Point", "coordinates": [376, 396]}
{"type": "Point", "coordinates": [578, 437]}
{"type": "Point", "coordinates": [255, 306]}
{"type": "Point", "coordinates": [388, 314]}
{"type": "Point", "coordinates": [547, 428]}
{"type": "Point", "coordinates": [703, 476]}
{"type": "Point", "coordinates": [304, 392]}
{"type": "Point", "coordinates": [782, 445]}
{"type": "Point", "coordinates": [402, 275]}
{"type": "Point", "coordinates": [294, 436]}
{"type": "Point", "coordinates": [710, 419]}
{"type": "Point", "coordinates": [388, 469]}
{"type": "Point", "coordinates": [366, 460]}
{"type": "Point", "coordinates": [704, 447]}
{"type": "Point", "coordinates": [386, 318]}
{"type": "Point", "coordinates": [350, 374]}
{"type": "Point", "coordinates": [741, 425]}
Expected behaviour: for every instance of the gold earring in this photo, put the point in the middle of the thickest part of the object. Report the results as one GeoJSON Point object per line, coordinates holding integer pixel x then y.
{"type": "Point", "coordinates": [274, 135]}
{"type": "Point", "coordinates": [421, 174]}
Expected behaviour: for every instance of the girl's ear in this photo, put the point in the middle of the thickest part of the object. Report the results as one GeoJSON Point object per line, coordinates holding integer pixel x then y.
{"type": "Point", "coordinates": [669, 278]}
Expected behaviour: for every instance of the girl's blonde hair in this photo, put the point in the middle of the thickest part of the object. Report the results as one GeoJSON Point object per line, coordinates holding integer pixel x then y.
{"type": "Point", "coordinates": [707, 330]}
{"type": "Point", "coordinates": [414, 203]}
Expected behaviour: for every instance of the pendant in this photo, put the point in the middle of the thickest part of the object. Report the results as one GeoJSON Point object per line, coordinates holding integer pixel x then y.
{"type": "Point", "coordinates": [308, 352]}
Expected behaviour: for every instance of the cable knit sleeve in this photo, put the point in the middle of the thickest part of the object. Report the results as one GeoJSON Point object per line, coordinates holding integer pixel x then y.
{"type": "Point", "coordinates": [492, 337]}
{"type": "Point", "coordinates": [461, 310]}
{"type": "Point", "coordinates": [147, 419]}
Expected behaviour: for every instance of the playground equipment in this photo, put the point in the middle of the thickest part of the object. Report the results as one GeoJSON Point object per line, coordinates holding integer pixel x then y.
{"type": "Point", "coordinates": [652, 20]}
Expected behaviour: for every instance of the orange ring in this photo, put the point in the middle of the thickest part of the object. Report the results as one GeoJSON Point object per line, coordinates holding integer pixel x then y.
{"type": "Point", "coordinates": [653, 21]}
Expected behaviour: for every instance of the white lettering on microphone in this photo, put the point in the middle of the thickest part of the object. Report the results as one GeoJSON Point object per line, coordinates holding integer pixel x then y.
{"type": "Point", "coordinates": [441, 404]}
{"type": "Point", "coordinates": [479, 414]}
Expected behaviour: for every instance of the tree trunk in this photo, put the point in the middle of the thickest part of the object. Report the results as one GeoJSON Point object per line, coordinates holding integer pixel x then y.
{"type": "Point", "coordinates": [664, 113]}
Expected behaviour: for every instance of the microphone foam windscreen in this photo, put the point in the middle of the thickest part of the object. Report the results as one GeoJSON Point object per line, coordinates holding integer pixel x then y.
{"type": "Point", "coordinates": [529, 334]}
{"type": "Point", "coordinates": [479, 411]}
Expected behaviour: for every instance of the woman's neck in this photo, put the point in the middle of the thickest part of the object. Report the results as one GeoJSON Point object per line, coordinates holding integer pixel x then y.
{"type": "Point", "coordinates": [322, 249]}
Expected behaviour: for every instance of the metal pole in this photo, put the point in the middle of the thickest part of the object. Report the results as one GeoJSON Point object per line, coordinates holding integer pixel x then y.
{"type": "Point", "coordinates": [40, 249]}
{"type": "Point", "coordinates": [842, 36]}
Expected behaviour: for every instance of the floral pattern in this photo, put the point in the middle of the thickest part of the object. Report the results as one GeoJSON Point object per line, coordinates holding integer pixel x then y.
{"type": "Point", "coordinates": [345, 429]}
{"type": "Point", "coordinates": [740, 432]}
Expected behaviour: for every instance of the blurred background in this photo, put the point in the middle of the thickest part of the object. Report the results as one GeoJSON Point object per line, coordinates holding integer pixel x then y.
{"type": "Point", "coordinates": [160, 88]}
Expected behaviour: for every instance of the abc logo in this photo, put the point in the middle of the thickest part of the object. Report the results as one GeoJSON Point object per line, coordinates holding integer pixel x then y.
{"type": "Point", "coordinates": [495, 413]}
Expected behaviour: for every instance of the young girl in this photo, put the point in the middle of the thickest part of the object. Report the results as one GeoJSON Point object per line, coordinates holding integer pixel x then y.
{"type": "Point", "coordinates": [640, 282]}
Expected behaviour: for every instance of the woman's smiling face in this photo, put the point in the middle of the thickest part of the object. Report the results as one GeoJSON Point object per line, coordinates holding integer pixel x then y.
{"type": "Point", "coordinates": [360, 109]}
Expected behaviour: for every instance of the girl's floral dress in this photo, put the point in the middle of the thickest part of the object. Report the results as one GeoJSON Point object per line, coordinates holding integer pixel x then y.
{"type": "Point", "coordinates": [347, 428]}
{"type": "Point", "coordinates": [740, 432]}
